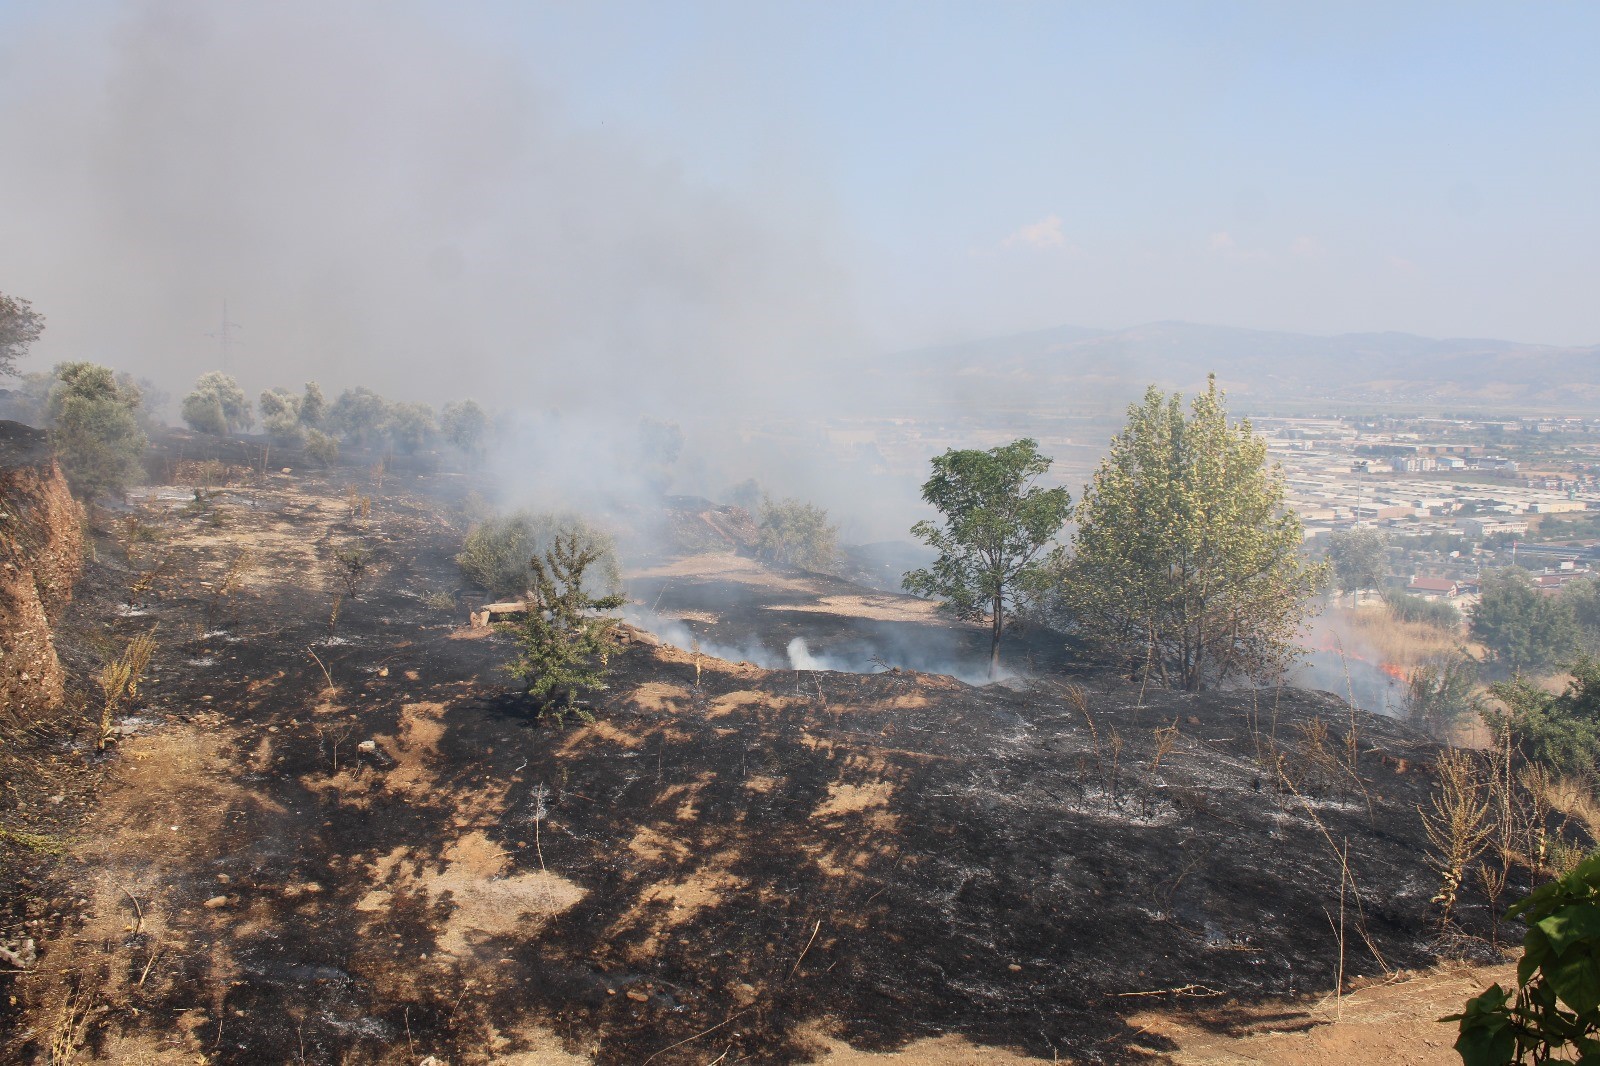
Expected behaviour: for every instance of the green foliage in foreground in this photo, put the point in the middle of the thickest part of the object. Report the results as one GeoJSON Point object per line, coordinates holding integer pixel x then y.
{"type": "Point", "coordinates": [563, 644]}
{"type": "Point", "coordinates": [95, 430]}
{"type": "Point", "coordinates": [1555, 1008]}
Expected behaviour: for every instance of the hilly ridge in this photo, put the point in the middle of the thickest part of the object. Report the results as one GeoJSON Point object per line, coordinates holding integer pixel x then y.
{"type": "Point", "coordinates": [1266, 365]}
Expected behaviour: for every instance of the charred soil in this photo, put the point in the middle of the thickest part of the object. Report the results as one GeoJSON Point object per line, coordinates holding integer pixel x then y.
{"type": "Point", "coordinates": [342, 837]}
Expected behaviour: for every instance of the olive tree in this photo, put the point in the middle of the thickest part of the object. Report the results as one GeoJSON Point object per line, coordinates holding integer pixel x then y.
{"type": "Point", "coordinates": [217, 405]}
{"type": "Point", "coordinates": [795, 533]}
{"type": "Point", "coordinates": [94, 426]}
{"type": "Point", "coordinates": [466, 425]}
{"type": "Point", "coordinates": [996, 541]}
{"type": "Point", "coordinates": [1187, 559]}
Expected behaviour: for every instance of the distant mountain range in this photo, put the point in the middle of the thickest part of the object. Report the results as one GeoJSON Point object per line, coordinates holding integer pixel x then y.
{"type": "Point", "coordinates": [1358, 368]}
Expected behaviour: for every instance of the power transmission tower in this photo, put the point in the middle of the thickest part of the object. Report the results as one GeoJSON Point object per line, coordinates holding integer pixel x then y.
{"type": "Point", "coordinates": [224, 336]}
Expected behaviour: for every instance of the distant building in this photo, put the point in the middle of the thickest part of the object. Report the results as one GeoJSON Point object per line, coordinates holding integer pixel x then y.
{"type": "Point", "coordinates": [1434, 588]}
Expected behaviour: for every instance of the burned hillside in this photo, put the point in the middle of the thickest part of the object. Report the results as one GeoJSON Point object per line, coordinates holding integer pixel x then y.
{"type": "Point", "coordinates": [333, 831]}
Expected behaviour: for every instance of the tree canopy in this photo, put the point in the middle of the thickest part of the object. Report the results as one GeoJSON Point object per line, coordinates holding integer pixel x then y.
{"type": "Point", "coordinates": [996, 537]}
{"type": "Point", "coordinates": [1187, 558]}
{"type": "Point", "coordinates": [1358, 559]}
{"type": "Point", "coordinates": [1522, 627]}
{"type": "Point", "coordinates": [795, 533]}
{"type": "Point", "coordinates": [217, 405]}
{"type": "Point", "coordinates": [94, 427]}
{"type": "Point", "coordinates": [20, 326]}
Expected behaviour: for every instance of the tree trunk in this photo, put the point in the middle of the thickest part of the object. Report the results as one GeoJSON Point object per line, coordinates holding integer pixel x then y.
{"type": "Point", "coordinates": [994, 642]}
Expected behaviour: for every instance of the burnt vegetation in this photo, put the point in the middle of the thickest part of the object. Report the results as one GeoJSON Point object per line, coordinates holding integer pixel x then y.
{"type": "Point", "coordinates": [292, 808]}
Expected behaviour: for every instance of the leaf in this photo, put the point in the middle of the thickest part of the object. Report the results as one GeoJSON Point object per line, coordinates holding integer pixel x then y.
{"type": "Point", "coordinates": [1571, 924]}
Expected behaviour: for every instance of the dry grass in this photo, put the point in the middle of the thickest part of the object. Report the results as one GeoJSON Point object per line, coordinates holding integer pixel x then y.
{"type": "Point", "coordinates": [1403, 644]}
{"type": "Point", "coordinates": [119, 681]}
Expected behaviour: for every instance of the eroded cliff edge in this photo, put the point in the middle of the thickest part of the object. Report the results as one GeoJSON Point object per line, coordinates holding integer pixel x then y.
{"type": "Point", "coordinates": [41, 554]}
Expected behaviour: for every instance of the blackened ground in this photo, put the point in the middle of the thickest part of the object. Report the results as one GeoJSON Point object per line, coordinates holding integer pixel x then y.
{"type": "Point", "coordinates": [726, 855]}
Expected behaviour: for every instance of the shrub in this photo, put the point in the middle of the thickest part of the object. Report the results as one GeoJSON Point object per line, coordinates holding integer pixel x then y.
{"type": "Point", "coordinates": [1443, 693]}
{"type": "Point", "coordinates": [1558, 731]}
{"type": "Point", "coordinates": [358, 415]}
{"type": "Point", "coordinates": [321, 448]}
{"type": "Point", "coordinates": [465, 425]}
{"type": "Point", "coordinates": [498, 554]}
{"type": "Point", "coordinates": [798, 534]}
{"type": "Point", "coordinates": [1440, 614]}
{"type": "Point", "coordinates": [411, 426]}
{"type": "Point", "coordinates": [1522, 627]}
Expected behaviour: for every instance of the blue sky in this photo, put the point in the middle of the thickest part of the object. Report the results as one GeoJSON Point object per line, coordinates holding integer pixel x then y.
{"type": "Point", "coordinates": [926, 171]}
{"type": "Point", "coordinates": [1342, 167]}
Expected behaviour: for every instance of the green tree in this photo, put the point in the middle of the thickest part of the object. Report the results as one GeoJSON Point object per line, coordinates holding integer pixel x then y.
{"type": "Point", "coordinates": [1561, 731]}
{"type": "Point", "coordinates": [1522, 627]}
{"type": "Point", "coordinates": [466, 426]}
{"type": "Point", "coordinates": [94, 427]}
{"type": "Point", "coordinates": [280, 414]}
{"type": "Point", "coordinates": [1583, 597]}
{"type": "Point", "coordinates": [217, 405]}
{"type": "Point", "coordinates": [1358, 559]}
{"type": "Point", "coordinates": [359, 415]}
{"type": "Point", "coordinates": [411, 426]}
{"type": "Point", "coordinates": [313, 408]}
{"type": "Point", "coordinates": [20, 326]}
{"type": "Point", "coordinates": [1187, 558]}
{"type": "Point", "coordinates": [794, 533]}
{"type": "Point", "coordinates": [563, 643]}
{"type": "Point", "coordinates": [995, 541]}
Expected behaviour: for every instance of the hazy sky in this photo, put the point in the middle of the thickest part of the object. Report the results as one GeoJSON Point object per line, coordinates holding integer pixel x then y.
{"type": "Point", "coordinates": [544, 191]}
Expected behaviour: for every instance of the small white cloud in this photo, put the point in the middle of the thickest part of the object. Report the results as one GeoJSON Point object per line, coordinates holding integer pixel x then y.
{"type": "Point", "coordinates": [1045, 233]}
{"type": "Point", "coordinates": [1223, 244]}
{"type": "Point", "coordinates": [1306, 248]}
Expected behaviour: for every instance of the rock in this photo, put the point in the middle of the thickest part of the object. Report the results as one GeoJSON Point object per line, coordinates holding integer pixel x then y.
{"type": "Point", "coordinates": [215, 903]}
{"type": "Point", "coordinates": [223, 879]}
{"type": "Point", "coordinates": [638, 996]}
{"type": "Point", "coordinates": [367, 747]}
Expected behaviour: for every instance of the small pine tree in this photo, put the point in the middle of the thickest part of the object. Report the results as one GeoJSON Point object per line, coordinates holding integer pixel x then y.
{"type": "Point", "coordinates": [563, 643]}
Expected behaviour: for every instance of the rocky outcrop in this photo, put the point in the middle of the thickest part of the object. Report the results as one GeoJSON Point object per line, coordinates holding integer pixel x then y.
{"type": "Point", "coordinates": [41, 552]}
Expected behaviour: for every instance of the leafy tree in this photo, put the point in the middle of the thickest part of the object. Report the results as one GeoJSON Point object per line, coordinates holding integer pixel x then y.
{"type": "Point", "coordinates": [217, 405]}
{"type": "Point", "coordinates": [20, 326]}
{"type": "Point", "coordinates": [280, 414]}
{"type": "Point", "coordinates": [1583, 597]}
{"type": "Point", "coordinates": [94, 427]}
{"type": "Point", "coordinates": [1553, 1014]}
{"type": "Point", "coordinates": [793, 533]}
{"type": "Point", "coordinates": [994, 544]}
{"type": "Point", "coordinates": [321, 448]}
{"type": "Point", "coordinates": [563, 643]}
{"type": "Point", "coordinates": [1358, 559]}
{"type": "Point", "coordinates": [1560, 731]}
{"type": "Point", "coordinates": [359, 415]}
{"type": "Point", "coordinates": [465, 425]}
{"type": "Point", "coordinates": [1187, 558]}
{"type": "Point", "coordinates": [496, 553]}
{"type": "Point", "coordinates": [1522, 627]}
{"type": "Point", "coordinates": [313, 408]}
{"type": "Point", "coordinates": [30, 400]}
{"type": "Point", "coordinates": [411, 426]}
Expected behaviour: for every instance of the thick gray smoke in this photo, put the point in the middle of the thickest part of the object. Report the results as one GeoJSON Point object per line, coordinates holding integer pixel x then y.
{"type": "Point", "coordinates": [382, 201]}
